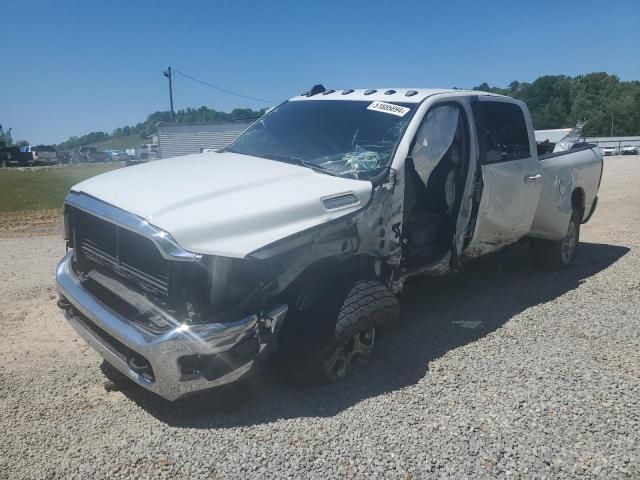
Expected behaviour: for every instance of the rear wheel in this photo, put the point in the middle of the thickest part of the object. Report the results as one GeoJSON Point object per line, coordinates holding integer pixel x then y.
{"type": "Point", "coordinates": [559, 254]}
{"type": "Point", "coordinates": [366, 305]}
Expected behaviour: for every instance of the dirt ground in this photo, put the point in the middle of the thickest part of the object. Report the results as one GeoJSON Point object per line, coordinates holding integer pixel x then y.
{"type": "Point", "coordinates": [52, 394]}
{"type": "Point", "coordinates": [30, 223]}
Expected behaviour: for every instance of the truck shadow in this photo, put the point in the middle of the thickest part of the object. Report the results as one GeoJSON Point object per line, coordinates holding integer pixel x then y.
{"type": "Point", "coordinates": [439, 315]}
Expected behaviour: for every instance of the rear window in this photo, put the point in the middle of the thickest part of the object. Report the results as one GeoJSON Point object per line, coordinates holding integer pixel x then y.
{"type": "Point", "coordinates": [45, 148]}
{"type": "Point", "coordinates": [502, 132]}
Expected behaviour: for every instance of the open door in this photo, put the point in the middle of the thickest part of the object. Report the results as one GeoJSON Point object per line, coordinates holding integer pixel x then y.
{"type": "Point", "coordinates": [435, 178]}
{"type": "Point", "coordinates": [510, 175]}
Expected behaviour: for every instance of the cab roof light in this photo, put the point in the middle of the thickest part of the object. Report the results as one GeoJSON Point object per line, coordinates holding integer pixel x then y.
{"type": "Point", "coordinates": [389, 92]}
{"type": "Point", "coordinates": [347, 92]}
{"type": "Point", "coordinates": [369, 92]}
{"type": "Point", "coordinates": [411, 93]}
{"type": "Point", "coordinates": [328, 92]}
{"type": "Point", "coordinates": [316, 89]}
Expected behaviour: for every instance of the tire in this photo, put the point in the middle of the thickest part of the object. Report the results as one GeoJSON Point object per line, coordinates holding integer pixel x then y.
{"type": "Point", "coordinates": [559, 254]}
{"type": "Point", "coordinates": [366, 305]}
{"type": "Point", "coordinates": [4, 163]}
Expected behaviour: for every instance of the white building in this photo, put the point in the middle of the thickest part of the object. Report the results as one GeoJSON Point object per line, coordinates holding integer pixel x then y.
{"type": "Point", "coordinates": [185, 138]}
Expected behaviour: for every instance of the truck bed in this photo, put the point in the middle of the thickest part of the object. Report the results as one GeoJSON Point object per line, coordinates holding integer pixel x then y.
{"type": "Point", "coordinates": [572, 173]}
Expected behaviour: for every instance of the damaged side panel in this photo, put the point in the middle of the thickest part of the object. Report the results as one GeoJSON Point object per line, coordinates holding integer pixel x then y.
{"type": "Point", "coordinates": [511, 175]}
{"type": "Point", "coordinates": [364, 234]}
{"type": "Point", "coordinates": [569, 173]}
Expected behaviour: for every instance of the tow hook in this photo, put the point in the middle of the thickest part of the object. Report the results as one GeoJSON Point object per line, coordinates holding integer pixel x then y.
{"type": "Point", "coordinates": [140, 366]}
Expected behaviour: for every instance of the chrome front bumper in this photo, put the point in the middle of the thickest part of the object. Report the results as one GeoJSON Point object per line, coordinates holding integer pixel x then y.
{"type": "Point", "coordinates": [112, 336]}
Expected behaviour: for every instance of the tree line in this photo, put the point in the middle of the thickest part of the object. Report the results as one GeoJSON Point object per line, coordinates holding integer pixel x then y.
{"type": "Point", "coordinates": [610, 106]}
{"type": "Point", "coordinates": [148, 127]}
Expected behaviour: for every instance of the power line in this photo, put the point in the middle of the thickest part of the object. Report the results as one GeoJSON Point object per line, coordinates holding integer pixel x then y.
{"type": "Point", "coordinates": [222, 89]}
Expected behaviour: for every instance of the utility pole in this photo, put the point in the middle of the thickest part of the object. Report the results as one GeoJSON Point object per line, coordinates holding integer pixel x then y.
{"type": "Point", "coordinates": [167, 73]}
{"type": "Point", "coordinates": [611, 124]}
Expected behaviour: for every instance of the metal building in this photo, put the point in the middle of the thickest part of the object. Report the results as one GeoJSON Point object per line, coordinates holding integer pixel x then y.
{"type": "Point", "coordinates": [185, 138]}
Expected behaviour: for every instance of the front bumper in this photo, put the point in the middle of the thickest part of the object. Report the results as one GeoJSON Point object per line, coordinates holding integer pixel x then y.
{"type": "Point", "coordinates": [157, 361]}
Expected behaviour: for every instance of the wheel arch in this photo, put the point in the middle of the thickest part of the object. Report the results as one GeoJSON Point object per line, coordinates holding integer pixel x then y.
{"type": "Point", "coordinates": [328, 273]}
{"type": "Point", "coordinates": [578, 200]}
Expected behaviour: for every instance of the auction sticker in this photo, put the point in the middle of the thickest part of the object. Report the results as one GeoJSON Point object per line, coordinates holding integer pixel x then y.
{"type": "Point", "coordinates": [389, 108]}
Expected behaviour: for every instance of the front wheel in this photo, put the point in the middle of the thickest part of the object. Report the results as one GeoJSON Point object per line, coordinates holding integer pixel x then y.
{"type": "Point", "coordinates": [559, 254]}
{"type": "Point", "coordinates": [367, 305]}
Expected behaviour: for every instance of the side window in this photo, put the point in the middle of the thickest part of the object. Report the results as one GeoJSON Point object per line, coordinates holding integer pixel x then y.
{"type": "Point", "coordinates": [502, 132]}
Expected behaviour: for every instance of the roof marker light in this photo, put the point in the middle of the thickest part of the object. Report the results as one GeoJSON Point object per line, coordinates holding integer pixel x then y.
{"type": "Point", "coordinates": [346, 92]}
{"type": "Point", "coordinates": [389, 92]}
{"type": "Point", "coordinates": [316, 89]}
{"type": "Point", "coordinates": [410, 93]}
{"type": "Point", "coordinates": [328, 92]}
{"type": "Point", "coordinates": [369, 92]}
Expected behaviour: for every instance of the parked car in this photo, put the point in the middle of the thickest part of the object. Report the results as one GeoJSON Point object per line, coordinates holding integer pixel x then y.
{"type": "Point", "coordinates": [131, 152]}
{"type": "Point", "coordinates": [188, 273]}
{"type": "Point", "coordinates": [35, 154]}
{"type": "Point", "coordinates": [154, 150]}
{"type": "Point", "coordinates": [117, 155]}
{"type": "Point", "coordinates": [610, 151]}
{"type": "Point", "coordinates": [89, 154]}
{"type": "Point", "coordinates": [64, 157]}
{"type": "Point", "coordinates": [13, 157]}
{"type": "Point", "coordinates": [142, 151]}
{"type": "Point", "coordinates": [630, 150]}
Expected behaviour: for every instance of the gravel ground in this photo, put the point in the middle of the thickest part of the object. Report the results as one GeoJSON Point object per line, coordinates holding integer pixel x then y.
{"type": "Point", "coordinates": [499, 372]}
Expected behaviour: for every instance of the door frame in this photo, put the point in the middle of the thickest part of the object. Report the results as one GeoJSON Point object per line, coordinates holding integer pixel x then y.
{"type": "Point", "coordinates": [464, 209]}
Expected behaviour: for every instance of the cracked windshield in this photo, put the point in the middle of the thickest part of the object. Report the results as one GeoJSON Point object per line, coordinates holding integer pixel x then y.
{"type": "Point", "coordinates": [356, 139]}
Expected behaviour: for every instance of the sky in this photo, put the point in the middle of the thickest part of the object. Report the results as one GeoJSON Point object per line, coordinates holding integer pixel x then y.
{"type": "Point", "coordinates": [72, 67]}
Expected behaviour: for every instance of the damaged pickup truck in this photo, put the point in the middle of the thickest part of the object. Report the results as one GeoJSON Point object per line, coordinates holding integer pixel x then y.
{"type": "Point", "coordinates": [291, 243]}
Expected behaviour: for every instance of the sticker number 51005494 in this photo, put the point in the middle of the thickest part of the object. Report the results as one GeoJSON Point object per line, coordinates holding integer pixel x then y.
{"type": "Point", "coordinates": [389, 108]}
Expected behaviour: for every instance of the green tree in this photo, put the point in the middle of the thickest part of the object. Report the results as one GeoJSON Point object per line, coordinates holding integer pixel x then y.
{"type": "Point", "coordinates": [557, 101]}
{"type": "Point", "coordinates": [5, 137]}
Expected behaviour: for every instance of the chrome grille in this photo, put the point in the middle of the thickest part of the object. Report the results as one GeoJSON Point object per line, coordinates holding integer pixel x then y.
{"type": "Point", "coordinates": [122, 251]}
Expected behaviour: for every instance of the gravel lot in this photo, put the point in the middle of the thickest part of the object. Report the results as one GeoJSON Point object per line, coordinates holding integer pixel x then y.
{"type": "Point", "coordinates": [499, 372]}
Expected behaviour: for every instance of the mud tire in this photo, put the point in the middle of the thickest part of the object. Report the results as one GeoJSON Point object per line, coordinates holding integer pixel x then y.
{"type": "Point", "coordinates": [367, 305]}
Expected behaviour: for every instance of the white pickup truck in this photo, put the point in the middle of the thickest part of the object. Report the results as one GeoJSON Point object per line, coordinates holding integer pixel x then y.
{"type": "Point", "coordinates": [291, 243]}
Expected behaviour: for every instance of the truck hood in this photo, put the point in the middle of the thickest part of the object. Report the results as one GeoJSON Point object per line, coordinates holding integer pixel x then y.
{"type": "Point", "coordinates": [225, 203]}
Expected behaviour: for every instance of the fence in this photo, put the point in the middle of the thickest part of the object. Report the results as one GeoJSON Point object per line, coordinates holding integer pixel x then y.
{"type": "Point", "coordinates": [613, 141]}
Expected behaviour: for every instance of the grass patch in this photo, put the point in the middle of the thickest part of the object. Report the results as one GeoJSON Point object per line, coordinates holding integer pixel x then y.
{"type": "Point", "coordinates": [121, 143]}
{"type": "Point", "coordinates": [23, 190]}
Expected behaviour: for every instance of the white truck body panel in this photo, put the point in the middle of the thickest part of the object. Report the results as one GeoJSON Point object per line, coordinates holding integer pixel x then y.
{"type": "Point", "coordinates": [224, 203]}
{"type": "Point", "coordinates": [509, 197]}
{"type": "Point", "coordinates": [562, 174]}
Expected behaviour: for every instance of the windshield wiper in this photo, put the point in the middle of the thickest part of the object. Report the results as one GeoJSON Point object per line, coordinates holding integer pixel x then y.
{"type": "Point", "coordinates": [301, 162]}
